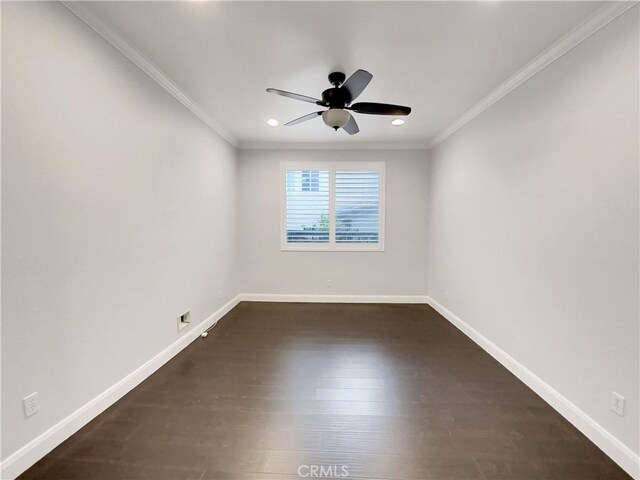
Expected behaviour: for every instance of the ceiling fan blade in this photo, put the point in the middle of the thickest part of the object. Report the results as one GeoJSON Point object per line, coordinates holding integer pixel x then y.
{"type": "Point", "coordinates": [380, 109]}
{"type": "Point", "coordinates": [351, 127]}
{"type": "Point", "coordinates": [356, 83]}
{"type": "Point", "coordinates": [295, 96]}
{"type": "Point", "coordinates": [303, 119]}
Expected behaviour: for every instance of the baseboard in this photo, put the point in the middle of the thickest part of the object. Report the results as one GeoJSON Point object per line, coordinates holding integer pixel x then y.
{"type": "Point", "coordinates": [28, 455]}
{"type": "Point", "coordinates": [614, 448]}
{"type": "Point", "coordinates": [33, 451]}
{"type": "Point", "coordinates": [301, 298]}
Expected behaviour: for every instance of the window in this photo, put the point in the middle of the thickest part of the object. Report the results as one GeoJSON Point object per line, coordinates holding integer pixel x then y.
{"type": "Point", "coordinates": [357, 206]}
{"type": "Point", "coordinates": [307, 213]}
{"type": "Point", "coordinates": [335, 206]}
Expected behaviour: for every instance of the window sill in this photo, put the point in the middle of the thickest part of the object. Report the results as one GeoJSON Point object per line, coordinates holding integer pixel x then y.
{"type": "Point", "coordinates": [318, 248]}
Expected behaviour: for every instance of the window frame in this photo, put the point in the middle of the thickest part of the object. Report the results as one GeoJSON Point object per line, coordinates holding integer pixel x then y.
{"type": "Point", "coordinates": [332, 246]}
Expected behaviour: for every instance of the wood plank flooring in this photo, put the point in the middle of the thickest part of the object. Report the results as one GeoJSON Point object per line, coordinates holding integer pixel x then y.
{"type": "Point", "coordinates": [386, 391]}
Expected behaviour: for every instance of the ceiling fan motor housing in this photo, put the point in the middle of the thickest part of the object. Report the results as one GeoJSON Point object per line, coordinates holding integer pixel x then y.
{"type": "Point", "coordinates": [336, 97]}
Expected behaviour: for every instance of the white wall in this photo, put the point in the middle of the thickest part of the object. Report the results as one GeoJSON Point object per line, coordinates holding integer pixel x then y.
{"type": "Point", "coordinates": [399, 270]}
{"type": "Point", "coordinates": [533, 225]}
{"type": "Point", "coordinates": [119, 211]}
{"type": "Point", "coordinates": [118, 214]}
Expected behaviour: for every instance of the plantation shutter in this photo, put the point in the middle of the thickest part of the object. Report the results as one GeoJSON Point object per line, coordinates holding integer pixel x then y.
{"type": "Point", "coordinates": [307, 206]}
{"type": "Point", "coordinates": [332, 206]}
{"type": "Point", "coordinates": [357, 206]}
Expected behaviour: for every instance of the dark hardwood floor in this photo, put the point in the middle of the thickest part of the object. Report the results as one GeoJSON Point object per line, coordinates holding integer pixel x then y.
{"type": "Point", "coordinates": [385, 391]}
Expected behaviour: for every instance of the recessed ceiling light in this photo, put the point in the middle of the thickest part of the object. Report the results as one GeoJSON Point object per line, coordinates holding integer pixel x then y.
{"type": "Point", "coordinates": [397, 122]}
{"type": "Point", "coordinates": [272, 122]}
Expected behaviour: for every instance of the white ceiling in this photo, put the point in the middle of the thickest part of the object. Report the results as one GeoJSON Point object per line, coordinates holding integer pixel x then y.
{"type": "Point", "coordinates": [440, 58]}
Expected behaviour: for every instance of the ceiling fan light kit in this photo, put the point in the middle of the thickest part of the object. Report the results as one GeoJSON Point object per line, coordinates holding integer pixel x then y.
{"type": "Point", "coordinates": [338, 100]}
{"type": "Point", "coordinates": [335, 118]}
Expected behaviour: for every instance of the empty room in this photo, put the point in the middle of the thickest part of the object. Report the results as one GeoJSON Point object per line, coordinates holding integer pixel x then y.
{"type": "Point", "coordinates": [279, 240]}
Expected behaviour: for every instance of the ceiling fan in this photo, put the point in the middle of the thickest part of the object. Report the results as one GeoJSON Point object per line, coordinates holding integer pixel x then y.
{"type": "Point", "coordinates": [338, 100]}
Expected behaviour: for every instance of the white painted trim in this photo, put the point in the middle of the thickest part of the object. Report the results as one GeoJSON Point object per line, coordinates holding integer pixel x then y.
{"type": "Point", "coordinates": [147, 66]}
{"type": "Point", "coordinates": [33, 451]}
{"type": "Point", "coordinates": [614, 448]}
{"type": "Point", "coordinates": [29, 454]}
{"type": "Point", "coordinates": [333, 146]}
{"type": "Point", "coordinates": [304, 298]}
{"type": "Point", "coordinates": [331, 245]}
{"type": "Point", "coordinates": [592, 24]}
{"type": "Point", "coordinates": [604, 15]}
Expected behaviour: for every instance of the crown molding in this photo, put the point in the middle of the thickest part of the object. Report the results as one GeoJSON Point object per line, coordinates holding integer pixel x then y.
{"type": "Point", "coordinates": [147, 66]}
{"type": "Point", "coordinates": [604, 15]}
{"type": "Point", "coordinates": [332, 146]}
{"type": "Point", "coordinates": [574, 37]}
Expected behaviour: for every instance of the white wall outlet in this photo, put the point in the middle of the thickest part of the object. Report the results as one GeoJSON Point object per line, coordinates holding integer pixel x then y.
{"type": "Point", "coordinates": [617, 403]}
{"type": "Point", "coordinates": [329, 283]}
{"type": "Point", "coordinates": [31, 404]}
{"type": "Point", "coordinates": [184, 320]}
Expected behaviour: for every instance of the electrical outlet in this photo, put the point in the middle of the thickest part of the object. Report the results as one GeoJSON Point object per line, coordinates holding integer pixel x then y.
{"type": "Point", "coordinates": [31, 404]}
{"type": "Point", "coordinates": [184, 320]}
{"type": "Point", "coordinates": [617, 403]}
{"type": "Point", "coordinates": [329, 283]}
